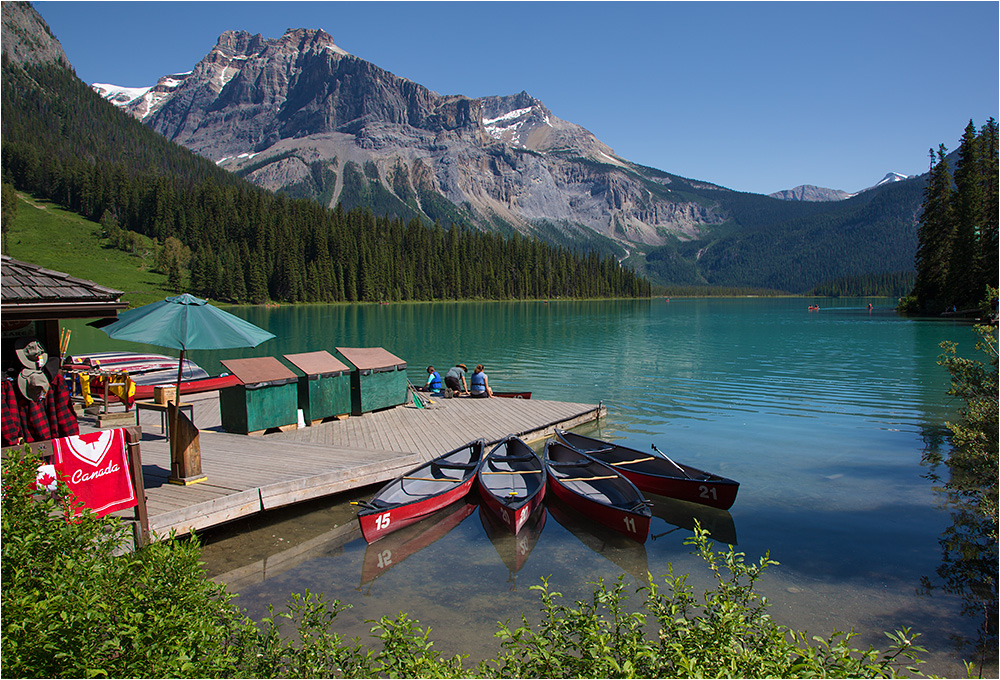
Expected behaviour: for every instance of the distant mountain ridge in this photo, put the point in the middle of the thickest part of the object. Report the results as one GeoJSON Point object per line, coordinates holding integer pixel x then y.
{"type": "Point", "coordinates": [809, 192]}
{"type": "Point", "coordinates": [301, 116]}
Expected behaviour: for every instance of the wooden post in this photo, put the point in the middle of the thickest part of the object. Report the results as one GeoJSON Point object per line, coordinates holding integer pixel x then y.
{"type": "Point", "coordinates": [185, 449]}
{"type": "Point", "coordinates": [141, 532]}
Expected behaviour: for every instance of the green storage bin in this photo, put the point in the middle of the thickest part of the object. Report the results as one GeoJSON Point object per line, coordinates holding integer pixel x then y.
{"type": "Point", "coordinates": [325, 389]}
{"type": "Point", "coordinates": [268, 397]}
{"type": "Point", "coordinates": [378, 380]}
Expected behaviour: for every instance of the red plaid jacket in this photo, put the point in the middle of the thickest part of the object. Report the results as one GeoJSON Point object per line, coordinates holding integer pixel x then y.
{"type": "Point", "coordinates": [49, 418]}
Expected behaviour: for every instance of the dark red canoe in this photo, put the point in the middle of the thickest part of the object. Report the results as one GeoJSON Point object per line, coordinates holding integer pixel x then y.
{"type": "Point", "coordinates": [511, 482]}
{"type": "Point", "coordinates": [656, 473]}
{"type": "Point", "coordinates": [421, 491]}
{"type": "Point", "coordinates": [597, 490]}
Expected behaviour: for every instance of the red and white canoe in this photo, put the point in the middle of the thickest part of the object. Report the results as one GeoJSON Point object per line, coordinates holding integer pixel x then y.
{"type": "Point", "coordinates": [511, 482]}
{"type": "Point", "coordinates": [142, 368]}
{"type": "Point", "coordinates": [597, 491]}
{"type": "Point", "coordinates": [657, 473]}
{"type": "Point", "coordinates": [421, 491]}
{"type": "Point", "coordinates": [151, 370]}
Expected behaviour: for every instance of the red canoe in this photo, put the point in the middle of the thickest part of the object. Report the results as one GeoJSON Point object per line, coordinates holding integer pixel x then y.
{"type": "Point", "coordinates": [511, 482]}
{"type": "Point", "coordinates": [657, 473]}
{"type": "Point", "coordinates": [597, 491]}
{"type": "Point", "coordinates": [150, 370]}
{"type": "Point", "coordinates": [421, 491]}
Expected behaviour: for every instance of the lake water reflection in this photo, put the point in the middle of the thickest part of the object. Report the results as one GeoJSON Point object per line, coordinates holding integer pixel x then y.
{"type": "Point", "coordinates": [822, 416]}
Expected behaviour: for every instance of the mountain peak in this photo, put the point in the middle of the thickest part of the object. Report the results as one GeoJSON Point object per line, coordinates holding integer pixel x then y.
{"type": "Point", "coordinates": [890, 178]}
{"type": "Point", "coordinates": [309, 39]}
{"type": "Point", "coordinates": [809, 192]}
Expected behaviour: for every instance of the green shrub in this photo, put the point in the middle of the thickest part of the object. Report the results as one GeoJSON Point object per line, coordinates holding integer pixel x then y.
{"type": "Point", "coordinates": [74, 607]}
{"type": "Point", "coordinates": [728, 633]}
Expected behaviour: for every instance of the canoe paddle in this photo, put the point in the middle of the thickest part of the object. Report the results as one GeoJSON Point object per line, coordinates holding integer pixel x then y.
{"type": "Point", "coordinates": [667, 458]}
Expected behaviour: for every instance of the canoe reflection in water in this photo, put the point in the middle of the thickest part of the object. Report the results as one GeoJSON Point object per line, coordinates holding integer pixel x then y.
{"type": "Point", "coordinates": [682, 514]}
{"type": "Point", "coordinates": [513, 549]}
{"type": "Point", "coordinates": [627, 554]}
{"type": "Point", "coordinates": [397, 546]}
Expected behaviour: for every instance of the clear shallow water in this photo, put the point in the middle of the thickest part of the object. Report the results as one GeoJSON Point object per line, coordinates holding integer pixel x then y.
{"type": "Point", "coordinates": [822, 416]}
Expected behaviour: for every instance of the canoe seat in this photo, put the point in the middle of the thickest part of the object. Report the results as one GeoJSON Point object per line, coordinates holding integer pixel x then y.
{"type": "Point", "coordinates": [514, 457]}
{"type": "Point", "coordinates": [456, 466]}
{"type": "Point", "coordinates": [607, 449]}
{"type": "Point", "coordinates": [571, 463]}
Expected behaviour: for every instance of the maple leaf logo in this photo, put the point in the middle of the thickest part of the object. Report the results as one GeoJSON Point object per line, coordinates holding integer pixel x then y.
{"type": "Point", "coordinates": [45, 479]}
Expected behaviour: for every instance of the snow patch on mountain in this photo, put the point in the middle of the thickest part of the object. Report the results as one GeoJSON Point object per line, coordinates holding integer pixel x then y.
{"type": "Point", "coordinates": [120, 96]}
{"type": "Point", "coordinates": [890, 178]}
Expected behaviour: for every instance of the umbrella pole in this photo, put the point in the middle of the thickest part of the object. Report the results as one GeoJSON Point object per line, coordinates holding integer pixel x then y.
{"type": "Point", "coordinates": [185, 456]}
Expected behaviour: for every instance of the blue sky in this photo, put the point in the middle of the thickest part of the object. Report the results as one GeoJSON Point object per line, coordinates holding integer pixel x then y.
{"type": "Point", "coordinates": [753, 96]}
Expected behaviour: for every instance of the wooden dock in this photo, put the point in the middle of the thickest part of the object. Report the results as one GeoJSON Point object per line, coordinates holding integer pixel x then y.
{"type": "Point", "coordinates": [253, 474]}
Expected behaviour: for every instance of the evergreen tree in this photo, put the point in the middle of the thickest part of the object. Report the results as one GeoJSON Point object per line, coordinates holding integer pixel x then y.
{"type": "Point", "coordinates": [989, 249]}
{"type": "Point", "coordinates": [936, 232]}
{"type": "Point", "coordinates": [964, 269]}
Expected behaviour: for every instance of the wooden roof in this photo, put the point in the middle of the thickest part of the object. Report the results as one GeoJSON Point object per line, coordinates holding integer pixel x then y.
{"type": "Point", "coordinates": [371, 358]}
{"type": "Point", "coordinates": [31, 292]}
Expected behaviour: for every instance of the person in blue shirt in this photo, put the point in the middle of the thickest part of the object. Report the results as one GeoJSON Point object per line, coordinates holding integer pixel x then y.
{"type": "Point", "coordinates": [479, 384]}
{"type": "Point", "coordinates": [433, 384]}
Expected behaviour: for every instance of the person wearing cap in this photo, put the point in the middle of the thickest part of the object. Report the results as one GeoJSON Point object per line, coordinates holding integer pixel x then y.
{"type": "Point", "coordinates": [454, 380]}
{"type": "Point", "coordinates": [479, 384]}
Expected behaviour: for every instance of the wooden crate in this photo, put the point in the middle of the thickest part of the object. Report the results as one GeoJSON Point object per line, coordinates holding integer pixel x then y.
{"type": "Point", "coordinates": [325, 389]}
{"type": "Point", "coordinates": [266, 399]}
{"type": "Point", "coordinates": [378, 380]}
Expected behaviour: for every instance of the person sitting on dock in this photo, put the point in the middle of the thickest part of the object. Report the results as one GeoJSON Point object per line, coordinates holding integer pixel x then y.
{"type": "Point", "coordinates": [454, 380]}
{"type": "Point", "coordinates": [433, 384]}
{"type": "Point", "coordinates": [479, 385]}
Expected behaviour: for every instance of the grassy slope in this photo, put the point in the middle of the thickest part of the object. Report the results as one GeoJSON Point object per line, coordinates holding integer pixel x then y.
{"type": "Point", "coordinates": [46, 235]}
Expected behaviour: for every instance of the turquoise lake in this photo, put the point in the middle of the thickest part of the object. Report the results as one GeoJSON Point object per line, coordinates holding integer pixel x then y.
{"type": "Point", "coordinates": [823, 417]}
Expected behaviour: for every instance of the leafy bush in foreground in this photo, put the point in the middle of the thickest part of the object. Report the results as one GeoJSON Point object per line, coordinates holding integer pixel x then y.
{"type": "Point", "coordinates": [74, 607]}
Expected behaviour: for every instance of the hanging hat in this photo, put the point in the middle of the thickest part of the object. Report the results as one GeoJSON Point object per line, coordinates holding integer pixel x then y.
{"type": "Point", "coordinates": [34, 385]}
{"type": "Point", "coordinates": [30, 352]}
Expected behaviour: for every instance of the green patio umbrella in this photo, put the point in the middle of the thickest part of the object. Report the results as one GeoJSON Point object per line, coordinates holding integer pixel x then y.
{"type": "Point", "coordinates": [185, 322]}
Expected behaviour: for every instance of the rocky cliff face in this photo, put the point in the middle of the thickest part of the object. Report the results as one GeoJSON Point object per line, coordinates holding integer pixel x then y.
{"type": "Point", "coordinates": [26, 37]}
{"type": "Point", "coordinates": [299, 113]}
{"type": "Point", "coordinates": [808, 192]}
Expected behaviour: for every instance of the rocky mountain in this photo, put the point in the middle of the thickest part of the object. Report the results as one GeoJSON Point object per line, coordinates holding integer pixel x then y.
{"type": "Point", "coordinates": [26, 38]}
{"type": "Point", "coordinates": [808, 192]}
{"type": "Point", "coordinates": [301, 115]}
